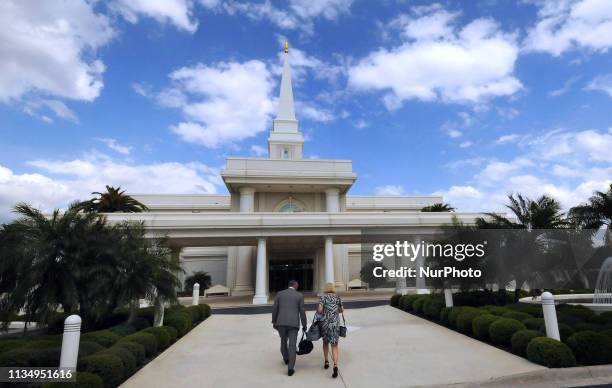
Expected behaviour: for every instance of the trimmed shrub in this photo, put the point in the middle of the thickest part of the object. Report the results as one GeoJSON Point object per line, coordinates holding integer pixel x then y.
{"type": "Point", "coordinates": [46, 357]}
{"type": "Point", "coordinates": [568, 319]}
{"type": "Point", "coordinates": [432, 308]}
{"type": "Point", "coordinates": [599, 320]}
{"type": "Point", "coordinates": [127, 359]}
{"type": "Point", "coordinates": [41, 344]}
{"type": "Point", "coordinates": [481, 324]}
{"type": "Point", "coordinates": [579, 311]}
{"type": "Point", "coordinates": [591, 348]}
{"type": "Point", "coordinates": [465, 319]}
{"type": "Point", "coordinates": [496, 310]}
{"type": "Point", "coordinates": [534, 323]}
{"type": "Point", "coordinates": [83, 380]}
{"type": "Point", "coordinates": [172, 333]}
{"type": "Point", "coordinates": [417, 305]}
{"type": "Point", "coordinates": [181, 321]}
{"type": "Point", "coordinates": [454, 314]}
{"type": "Point", "coordinates": [10, 344]}
{"type": "Point", "coordinates": [87, 348]}
{"type": "Point", "coordinates": [105, 338]}
{"type": "Point", "coordinates": [140, 323]}
{"type": "Point", "coordinates": [147, 313]}
{"type": "Point", "coordinates": [195, 313]}
{"type": "Point", "coordinates": [394, 302]}
{"type": "Point", "coordinates": [444, 315]}
{"type": "Point", "coordinates": [407, 300]}
{"type": "Point", "coordinates": [520, 340]}
{"type": "Point", "coordinates": [137, 350]}
{"type": "Point", "coordinates": [533, 310]}
{"type": "Point", "coordinates": [161, 335]}
{"type": "Point", "coordinates": [204, 311]}
{"type": "Point", "coordinates": [109, 367]}
{"type": "Point", "coordinates": [584, 326]}
{"type": "Point", "coordinates": [519, 316]}
{"type": "Point", "coordinates": [145, 339]}
{"type": "Point", "coordinates": [550, 352]}
{"type": "Point", "coordinates": [16, 357]}
{"type": "Point", "coordinates": [123, 329]}
{"type": "Point", "coordinates": [501, 331]}
{"type": "Point", "coordinates": [564, 330]}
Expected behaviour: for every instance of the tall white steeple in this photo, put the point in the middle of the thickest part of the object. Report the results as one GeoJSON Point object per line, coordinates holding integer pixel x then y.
{"type": "Point", "coordinates": [285, 141]}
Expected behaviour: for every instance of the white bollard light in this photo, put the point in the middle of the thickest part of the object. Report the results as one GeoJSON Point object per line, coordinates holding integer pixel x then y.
{"type": "Point", "coordinates": [195, 299]}
{"type": "Point", "coordinates": [70, 342]}
{"type": "Point", "coordinates": [550, 316]}
{"type": "Point", "coordinates": [448, 297]}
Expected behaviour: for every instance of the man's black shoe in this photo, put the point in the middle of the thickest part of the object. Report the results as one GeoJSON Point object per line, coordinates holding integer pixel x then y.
{"type": "Point", "coordinates": [290, 372]}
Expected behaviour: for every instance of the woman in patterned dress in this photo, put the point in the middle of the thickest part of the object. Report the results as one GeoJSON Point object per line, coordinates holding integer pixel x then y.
{"type": "Point", "coordinates": [329, 309]}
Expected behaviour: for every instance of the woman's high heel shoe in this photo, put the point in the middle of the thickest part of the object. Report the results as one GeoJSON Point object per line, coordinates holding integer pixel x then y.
{"type": "Point", "coordinates": [335, 374]}
{"type": "Point", "coordinates": [326, 365]}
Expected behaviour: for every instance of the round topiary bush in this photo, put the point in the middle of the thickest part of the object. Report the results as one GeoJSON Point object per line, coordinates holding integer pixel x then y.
{"type": "Point", "coordinates": [109, 367]}
{"type": "Point", "coordinates": [564, 330]}
{"type": "Point", "coordinates": [444, 315]}
{"type": "Point", "coordinates": [394, 302]}
{"type": "Point", "coordinates": [579, 311]}
{"type": "Point", "coordinates": [172, 333]}
{"type": "Point", "coordinates": [195, 313]}
{"type": "Point", "coordinates": [567, 319]}
{"type": "Point", "coordinates": [137, 350]}
{"type": "Point", "coordinates": [465, 319]}
{"type": "Point", "coordinates": [519, 316]}
{"type": "Point", "coordinates": [453, 315]}
{"type": "Point", "coordinates": [496, 310]}
{"type": "Point", "coordinates": [501, 331]}
{"type": "Point", "coordinates": [41, 344]}
{"type": "Point", "coordinates": [161, 335]}
{"type": "Point", "coordinates": [87, 348]}
{"type": "Point", "coordinates": [585, 326]}
{"type": "Point", "coordinates": [105, 338]}
{"type": "Point", "coordinates": [599, 320]}
{"type": "Point", "coordinates": [407, 300]}
{"type": "Point", "coordinates": [46, 357]}
{"type": "Point", "coordinates": [204, 311]}
{"type": "Point", "coordinates": [10, 344]}
{"type": "Point", "coordinates": [123, 329]}
{"type": "Point", "coordinates": [181, 321]}
{"type": "Point", "coordinates": [140, 323]}
{"type": "Point", "coordinates": [481, 324]}
{"type": "Point", "coordinates": [533, 310]}
{"type": "Point", "coordinates": [520, 340]}
{"type": "Point", "coordinates": [550, 352]}
{"type": "Point", "coordinates": [16, 357]}
{"type": "Point", "coordinates": [432, 308]}
{"type": "Point", "coordinates": [127, 359]}
{"type": "Point", "coordinates": [83, 380]}
{"type": "Point", "coordinates": [145, 339]}
{"type": "Point", "coordinates": [534, 323]}
{"type": "Point", "coordinates": [591, 348]}
{"type": "Point", "coordinates": [417, 305]}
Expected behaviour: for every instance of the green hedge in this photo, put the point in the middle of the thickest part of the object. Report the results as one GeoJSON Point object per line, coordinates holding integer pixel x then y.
{"type": "Point", "coordinates": [140, 323]}
{"type": "Point", "coordinates": [496, 310]}
{"type": "Point", "coordinates": [481, 324]}
{"type": "Point", "coordinates": [579, 311]}
{"type": "Point", "coordinates": [172, 333]}
{"type": "Point", "coordinates": [145, 339]}
{"type": "Point", "coordinates": [585, 326]}
{"type": "Point", "coordinates": [123, 329]}
{"type": "Point", "coordinates": [161, 335]}
{"type": "Point", "coordinates": [10, 344]}
{"type": "Point", "coordinates": [46, 357]}
{"type": "Point", "coordinates": [432, 307]}
{"type": "Point", "coordinates": [87, 348]}
{"type": "Point", "coordinates": [195, 313]}
{"type": "Point", "coordinates": [501, 331]}
{"type": "Point", "coordinates": [83, 380]}
{"type": "Point", "coordinates": [519, 316]}
{"type": "Point", "coordinates": [417, 305]}
{"type": "Point", "coordinates": [444, 315]}
{"type": "Point", "coordinates": [406, 301]}
{"type": "Point", "coordinates": [105, 338]}
{"type": "Point", "coordinates": [521, 339]}
{"type": "Point", "coordinates": [550, 352]}
{"type": "Point", "coordinates": [565, 331]}
{"type": "Point", "coordinates": [394, 302]}
{"type": "Point", "coordinates": [591, 348]}
{"type": "Point", "coordinates": [204, 311]}
{"type": "Point", "coordinates": [109, 367]}
{"type": "Point", "coordinates": [534, 323]}
{"type": "Point", "coordinates": [16, 357]}
{"type": "Point", "coordinates": [137, 350]}
{"type": "Point", "coordinates": [127, 359]}
{"type": "Point", "coordinates": [465, 319]}
{"type": "Point", "coordinates": [453, 315]}
{"type": "Point", "coordinates": [180, 320]}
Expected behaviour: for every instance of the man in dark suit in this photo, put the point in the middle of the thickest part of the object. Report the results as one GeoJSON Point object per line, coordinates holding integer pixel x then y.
{"type": "Point", "coordinates": [286, 314]}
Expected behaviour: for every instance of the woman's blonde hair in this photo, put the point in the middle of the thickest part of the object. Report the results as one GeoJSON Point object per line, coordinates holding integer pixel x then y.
{"type": "Point", "coordinates": [329, 287]}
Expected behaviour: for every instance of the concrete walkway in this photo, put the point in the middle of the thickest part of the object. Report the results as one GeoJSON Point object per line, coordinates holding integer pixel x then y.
{"type": "Point", "coordinates": [385, 347]}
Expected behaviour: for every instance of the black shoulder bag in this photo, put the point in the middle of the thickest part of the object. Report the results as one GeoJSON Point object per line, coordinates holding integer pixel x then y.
{"type": "Point", "coordinates": [342, 331]}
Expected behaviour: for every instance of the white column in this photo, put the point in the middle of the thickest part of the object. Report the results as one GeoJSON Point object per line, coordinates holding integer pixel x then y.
{"type": "Point", "coordinates": [261, 288]}
{"type": "Point", "coordinates": [329, 260]}
{"type": "Point", "coordinates": [550, 316]}
{"type": "Point", "coordinates": [420, 262]}
{"type": "Point", "coordinates": [243, 285]}
{"type": "Point", "coordinates": [400, 282]}
{"type": "Point", "coordinates": [195, 295]}
{"type": "Point", "coordinates": [247, 199]}
{"type": "Point", "coordinates": [332, 200]}
{"type": "Point", "coordinates": [70, 342]}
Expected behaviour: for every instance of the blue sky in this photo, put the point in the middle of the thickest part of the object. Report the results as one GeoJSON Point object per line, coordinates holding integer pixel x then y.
{"type": "Point", "coordinates": [471, 100]}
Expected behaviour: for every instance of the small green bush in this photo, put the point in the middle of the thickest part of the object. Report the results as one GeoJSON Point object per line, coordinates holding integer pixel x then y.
{"type": "Point", "coordinates": [579, 311]}
{"type": "Point", "coordinates": [417, 305]}
{"type": "Point", "coordinates": [87, 348]}
{"type": "Point", "coordinates": [501, 331]}
{"type": "Point", "coordinates": [407, 300]}
{"type": "Point", "coordinates": [127, 359]}
{"type": "Point", "coordinates": [534, 323]}
{"type": "Point", "coordinates": [123, 329]}
{"type": "Point", "coordinates": [41, 344]}
{"type": "Point", "coordinates": [83, 380]}
{"type": "Point", "coordinates": [181, 321]}
{"type": "Point", "coordinates": [432, 308]}
{"type": "Point", "coordinates": [568, 319]}
{"type": "Point", "coordinates": [16, 357]}
{"type": "Point", "coordinates": [10, 344]}
{"type": "Point", "coordinates": [496, 310]}
{"type": "Point", "coordinates": [137, 350]}
{"type": "Point", "coordinates": [172, 333]}
{"type": "Point", "coordinates": [531, 309]}
{"type": "Point", "coordinates": [161, 335]}
{"type": "Point", "coordinates": [584, 326]}
{"type": "Point", "coordinates": [105, 338]}
{"type": "Point", "coordinates": [550, 352]}
{"type": "Point", "coordinates": [394, 302]}
{"type": "Point", "coordinates": [195, 313]}
{"type": "Point", "coordinates": [599, 320]}
{"type": "Point", "coordinates": [454, 314]}
{"type": "Point", "coordinates": [481, 324]}
{"type": "Point", "coordinates": [140, 323]}
{"type": "Point", "coordinates": [46, 357]}
{"type": "Point", "coordinates": [465, 319]}
{"type": "Point", "coordinates": [109, 367]}
{"type": "Point", "coordinates": [204, 311]}
{"type": "Point", "coordinates": [145, 339]}
{"type": "Point", "coordinates": [591, 348]}
{"type": "Point", "coordinates": [564, 330]}
{"type": "Point", "coordinates": [520, 340]}
{"type": "Point", "coordinates": [519, 316]}
{"type": "Point", "coordinates": [444, 315]}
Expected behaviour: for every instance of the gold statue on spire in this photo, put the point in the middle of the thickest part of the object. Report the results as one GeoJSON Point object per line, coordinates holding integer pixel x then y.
{"type": "Point", "coordinates": [286, 46]}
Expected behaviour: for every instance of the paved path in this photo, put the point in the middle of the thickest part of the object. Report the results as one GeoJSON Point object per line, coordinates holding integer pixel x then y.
{"type": "Point", "coordinates": [385, 348]}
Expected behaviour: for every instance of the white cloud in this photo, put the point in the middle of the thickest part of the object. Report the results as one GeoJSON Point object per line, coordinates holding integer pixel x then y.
{"type": "Point", "coordinates": [314, 113]}
{"type": "Point", "coordinates": [258, 150]}
{"type": "Point", "coordinates": [114, 145]}
{"type": "Point", "coordinates": [51, 49]}
{"type": "Point", "coordinates": [565, 88]}
{"type": "Point", "coordinates": [389, 190]}
{"type": "Point", "coordinates": [602, 83]}
{"type": "Point", "coordinates": [176, 12]}
{"type": "Point", "coordinates": [63, 181]}
{"type": "Point", "coordinates": [222, 103]}
{"type": "Point", "coordinates": [510, 138]}
{"type": "Point", "coordinates": [58, 108]}
{"type": "Point", "coordinates": [468, 64]}
{"type": "Point", "coordinates": [465, 144]}
{"type": "Point", "coordinates": [360, 124]}
{"type": "Point", "coordinates": [568, 24]}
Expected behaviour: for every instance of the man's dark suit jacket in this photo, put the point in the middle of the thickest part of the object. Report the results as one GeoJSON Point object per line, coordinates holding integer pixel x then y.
{"type": "Point", "coordinates": [289, 309]}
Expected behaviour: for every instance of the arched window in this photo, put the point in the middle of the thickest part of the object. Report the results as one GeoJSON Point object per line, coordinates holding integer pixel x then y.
{"type": "Point", "coordinates": [290, 205]}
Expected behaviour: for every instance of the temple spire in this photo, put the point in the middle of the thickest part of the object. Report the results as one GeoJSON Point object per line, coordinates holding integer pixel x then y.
{"type": "Point", "coordinates": [286, 110]}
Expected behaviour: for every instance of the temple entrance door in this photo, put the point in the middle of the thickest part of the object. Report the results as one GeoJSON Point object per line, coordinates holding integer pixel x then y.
{"type": "Point", "coordinates": [284, 270]}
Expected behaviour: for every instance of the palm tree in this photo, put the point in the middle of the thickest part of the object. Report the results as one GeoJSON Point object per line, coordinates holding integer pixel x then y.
{"type": "Point", "coordinates": [438, 207]}
{"type": "Point", "coordinates": [542, 213]}
{"type": "Point", "coordinates": [113, 200]}
{"type": "Point", "coordinates": [595, 214]}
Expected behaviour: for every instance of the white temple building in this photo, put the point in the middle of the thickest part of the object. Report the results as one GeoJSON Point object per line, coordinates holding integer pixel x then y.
{"type": "Point", "coordinates": [285, 217]}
